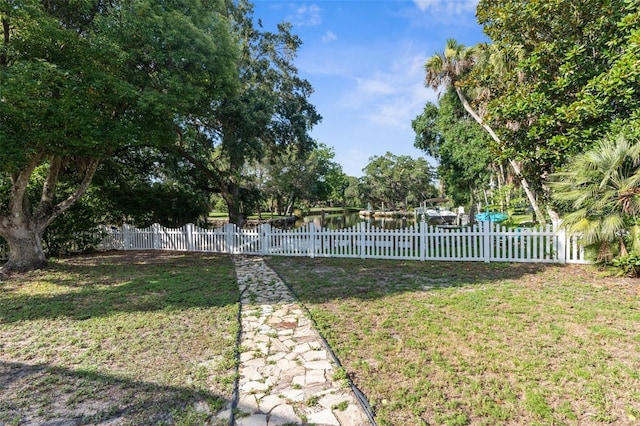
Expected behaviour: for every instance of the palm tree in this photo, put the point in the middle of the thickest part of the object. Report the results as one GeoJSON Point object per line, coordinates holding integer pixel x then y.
{"type": "Point", "coordinates": [445, 69]}
{"type": "Point", "coordinates": [603, 187]}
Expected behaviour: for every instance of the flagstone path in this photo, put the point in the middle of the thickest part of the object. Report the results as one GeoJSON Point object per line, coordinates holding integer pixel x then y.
{"type": "Point", "coordinates": [286, 371]}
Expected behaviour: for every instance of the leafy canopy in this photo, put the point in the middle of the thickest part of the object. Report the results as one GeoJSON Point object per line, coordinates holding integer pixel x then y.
{"type": "Point", "coordinates": [576, 78]}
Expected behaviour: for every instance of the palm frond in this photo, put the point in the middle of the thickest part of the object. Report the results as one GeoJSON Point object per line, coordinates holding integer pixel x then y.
{"type": "Point", "coordinates": [612, 227]}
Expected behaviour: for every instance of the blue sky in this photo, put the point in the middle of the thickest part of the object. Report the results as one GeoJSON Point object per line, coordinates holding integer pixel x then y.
{"type": "Point", "coordinates": [365, 60]}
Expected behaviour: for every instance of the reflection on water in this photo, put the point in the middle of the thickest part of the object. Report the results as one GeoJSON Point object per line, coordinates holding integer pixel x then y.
{"type": "Point", "coordinates": [348, 220]}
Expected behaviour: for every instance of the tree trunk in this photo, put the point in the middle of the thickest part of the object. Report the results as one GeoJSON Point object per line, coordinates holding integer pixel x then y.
{"type": "Point", "coordinates": [25, 249]}
{"type": "Point", "coordinates": [227, 186]}
{"type": "Point", "coordinates": [22, 229]}
{"type": "Point", "coordinates": [232, 198]}
{"type": "Point", "coordinates": [235, 216]}
{"type": "Point", "coordinates": [290, 203]}
{"type": "Point", "coordinates": [472, 208]}
{"type": "Point", "coordinates": [555, 217]}
{"type": "Point", "coordinates": [279, 205]}
{"type": "Point", "coordinates": [513, 163]}
{"type": "Point", "coordinates": [527, 190]}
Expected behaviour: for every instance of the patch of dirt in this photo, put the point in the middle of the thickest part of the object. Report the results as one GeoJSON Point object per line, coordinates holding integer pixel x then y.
{"type": "Point", "coordinates": [130, 257]}
{"type": "Point", "coordinates": [285, 325]}
{"type": "Point", "coordinates": [328, 270]}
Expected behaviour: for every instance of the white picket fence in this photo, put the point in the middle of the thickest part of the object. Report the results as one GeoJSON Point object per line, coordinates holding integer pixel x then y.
{"type": "Point", "coordinates": [485, 241]}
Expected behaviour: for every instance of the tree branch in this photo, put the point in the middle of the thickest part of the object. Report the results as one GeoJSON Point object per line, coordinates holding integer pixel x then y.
{"type": "Point", "coordinates": [64, 205]}
{"type": "Point", "coordinates": [18, 203]}
{"type": "Point", "coordinates": [215, 177]}
{"type": "Point", "coordinates": [49, 186]}
{"type": "Point", "coordinates": [5, 42]}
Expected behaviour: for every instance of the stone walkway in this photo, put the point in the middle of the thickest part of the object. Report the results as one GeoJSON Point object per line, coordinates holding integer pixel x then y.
{"type": "Point", "coordinates": [286, 371]}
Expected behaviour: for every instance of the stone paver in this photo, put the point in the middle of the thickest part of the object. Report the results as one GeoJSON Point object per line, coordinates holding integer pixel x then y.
{"type": "Point", "coordinates": [286, 371]}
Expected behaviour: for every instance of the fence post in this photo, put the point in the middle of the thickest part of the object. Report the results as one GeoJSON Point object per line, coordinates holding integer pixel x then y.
{"type": "Point", "coordinates": [486, 237]}
{"type": "Point", "coordinates": [264, 234]}
{"type": "Point", "coordinates": [423, 240]}
{"type": "Point", "coordinates": [229, 229]}
{"type": "Point", "coordinates": [189, 230]}
{"type": "Point", "coordinates": [125, 236]}
{"type": "Point", "coordinates": [312, 235]}
{"type": "Point", "coordinates": [363, 245]}
{"type": "Point", "coordinates": [155, 233]}
{"type": "Point", "coordinates": [561, 236]}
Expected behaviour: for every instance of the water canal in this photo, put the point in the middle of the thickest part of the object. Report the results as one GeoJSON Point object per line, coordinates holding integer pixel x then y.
{"type": "Point", "coordinates": [350, 219]}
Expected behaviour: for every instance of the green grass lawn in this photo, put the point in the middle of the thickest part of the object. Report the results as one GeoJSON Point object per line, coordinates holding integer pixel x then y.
{"type": "Point", "coordinates": [119, 338]}
{"type": "Point", "coordinates": [479, 344]}
{"type": "Point", "coordinates": [148, 338]}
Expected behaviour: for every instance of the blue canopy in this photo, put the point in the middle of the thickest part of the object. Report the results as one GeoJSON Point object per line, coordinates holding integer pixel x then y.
{"type": "Point", "coordinates": [492, 216]}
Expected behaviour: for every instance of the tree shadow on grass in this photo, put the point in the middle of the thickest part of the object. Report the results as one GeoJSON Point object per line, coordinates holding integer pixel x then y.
{"type": "Point", "coordinates": [320, 280]}
{"type": "Point", "coordinates": [86, 287]}
{"type": "Point", "coordinates": [46, 395]}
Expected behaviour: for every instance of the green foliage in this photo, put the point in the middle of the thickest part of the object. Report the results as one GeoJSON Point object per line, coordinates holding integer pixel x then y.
{"type": "Point", "coordinates": [628, 265]}
{"type": "Point", "coordinates": [270, 113]}
{"type": "Point", "coordinates": [354, 193]}
{"type": "Point", "coordinates": [337, 184]}
{"type": "Point", "coordinates": [75, 232]}
{"type": "Point", "coordinates": [218, 204]}
{"type": "Point", "coordinates": [309, 178]}
{"type": "Point", "coordinates": [82, 80]}
{"type": "Point", "coordinates": [448, 67]}
{"type": "Point", "coordinates": [460, 145]}
{"type": "Point", "coordinates": [600, 187]}
{"type": "Point", "coordinates": [86, 81]}
{"type": "Point", "coordinates": [573, 79]}
{"type": "Point", "coordinates": [145, 186]}
{"type": "Point", "coordinates": [397, 181]}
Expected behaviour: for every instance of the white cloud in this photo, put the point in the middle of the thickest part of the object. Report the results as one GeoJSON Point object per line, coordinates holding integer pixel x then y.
{"type": "Point", "coordinates": [450, 7]}
{"type": "Point", "coordinates": [376, 85]}
{"type": "Point", "coordinates": [336, 59]}
{"type": "Point", "coordinates": [393, 113]}
{"type": "Point", "coordinates": [393, 96]}
{"type": "Point", "coordinates": [329, 36]}
{"type": "Point", "coordinates": [399, 110]}
{"type": "Point", "coordinates": [306, 16]}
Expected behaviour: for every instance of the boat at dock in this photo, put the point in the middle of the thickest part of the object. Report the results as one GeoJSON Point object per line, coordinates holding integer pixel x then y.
{"type": "Point", "coordinates": [436, 216]}
{"type": "Point", "coordinates": [371, 213]}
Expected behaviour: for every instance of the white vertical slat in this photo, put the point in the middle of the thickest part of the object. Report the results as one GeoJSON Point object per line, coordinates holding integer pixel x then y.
{"type": "Point", "coordinates": [487, 243]}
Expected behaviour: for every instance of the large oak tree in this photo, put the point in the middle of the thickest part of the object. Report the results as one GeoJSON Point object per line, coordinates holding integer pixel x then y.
{"type": "Point", "coordinates": [397, 181]}
{"type": "Point", "coordinates": [81, 79]}
{"type": "Point", "coordinates": [271, 113]}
